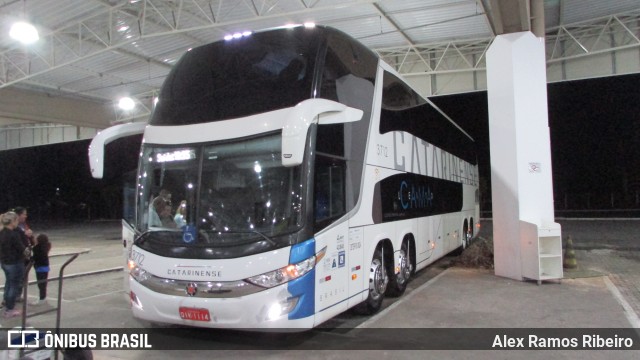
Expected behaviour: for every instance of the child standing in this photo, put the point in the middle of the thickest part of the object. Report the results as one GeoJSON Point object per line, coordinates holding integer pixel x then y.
{"type": "Point", "coordinates": [41, 266]}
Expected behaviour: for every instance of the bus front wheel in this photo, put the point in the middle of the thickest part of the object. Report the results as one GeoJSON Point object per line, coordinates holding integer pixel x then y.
{"type": "Point", "coordinates": [378, 281]}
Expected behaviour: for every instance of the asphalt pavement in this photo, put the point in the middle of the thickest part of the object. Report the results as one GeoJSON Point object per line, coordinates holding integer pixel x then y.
{"type": "Point", "coordinates": [603, 292]}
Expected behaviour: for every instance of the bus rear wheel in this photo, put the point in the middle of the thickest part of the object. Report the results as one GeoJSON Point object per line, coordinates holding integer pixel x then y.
{"type": "Point", "coordinates": [398, 283]}
{"type": "Point", "coordinates": [378, 281]}
{"type": "Point", "coordinates": [466, 233]}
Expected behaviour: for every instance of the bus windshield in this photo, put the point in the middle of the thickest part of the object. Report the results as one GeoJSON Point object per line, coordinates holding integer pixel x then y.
{"type": "Point", "coordinates": [240, 77]}
{"type": "Point", "coordinates": [218, 200]}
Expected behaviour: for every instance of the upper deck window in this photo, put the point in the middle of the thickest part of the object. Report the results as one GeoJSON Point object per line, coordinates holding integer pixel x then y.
{"type": "Point", "coordinates": [404, 110]}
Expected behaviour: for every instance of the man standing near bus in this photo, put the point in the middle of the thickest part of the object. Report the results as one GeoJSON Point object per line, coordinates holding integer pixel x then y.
{"type": "Point", "coordinates": [23, 226]}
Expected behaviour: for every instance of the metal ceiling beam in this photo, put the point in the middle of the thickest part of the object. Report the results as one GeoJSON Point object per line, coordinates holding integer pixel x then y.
{"type": "Point", "coordinates": [493, 16]}
{"type": "Point", "coordinates": [566, 42]}
{"type": "Point", "coordinates": [537, 18]}
{"type": "Point", "coordinates": [410, 42]}
{"type": "Point", "coordinates": [393, 23]}
{"type": "Point", "coordinates": [451, 56]}
{"type": "Point", "coordinates": [486, 10]}
{"type": "Point", "coordinates": [507, 16]}
{"type": "Point", "coordinates": [92, 36]}
{"type": "Point", "coordinates": [588, 38]}
{"type": "Point", "coordinates": [577, 40]}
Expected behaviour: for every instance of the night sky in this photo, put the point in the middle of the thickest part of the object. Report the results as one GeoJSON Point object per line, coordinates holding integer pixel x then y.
{"type": "Point", "coordinates": [595, 136]}
{"type": "Point", "coordinates": [595, 140]}
{"type": "Point", "coordinates": [54, 181]}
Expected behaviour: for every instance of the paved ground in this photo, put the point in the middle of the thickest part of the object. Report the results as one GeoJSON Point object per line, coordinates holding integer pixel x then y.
{"type": "Point", "coordinates": [614, 252]}
{"type": "Point", "coordinates": [603, 292]}
{"type": "Point", "coordinates": [603, 248]}
{"type": "Point", "coordinates": [621, 266]}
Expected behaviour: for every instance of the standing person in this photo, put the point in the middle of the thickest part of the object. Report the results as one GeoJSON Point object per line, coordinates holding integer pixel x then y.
{"type": "Point", "coordinates": [23, 226]}
{"type": "Point", "coordinates": [26, 235]}
{"type": "Point", "coordinates": [12, 259]}
{"type": "Point", "coordinates": [41, 266]}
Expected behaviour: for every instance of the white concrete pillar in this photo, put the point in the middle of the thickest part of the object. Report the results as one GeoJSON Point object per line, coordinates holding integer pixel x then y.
{"type": "Point", "coordinates": [521, 181]}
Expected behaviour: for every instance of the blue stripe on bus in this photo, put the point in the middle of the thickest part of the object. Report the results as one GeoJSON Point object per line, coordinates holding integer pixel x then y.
{"type": "Point", "coordinates": [302, 251]}
{"type": "Point", "coordinates": [304, 287]}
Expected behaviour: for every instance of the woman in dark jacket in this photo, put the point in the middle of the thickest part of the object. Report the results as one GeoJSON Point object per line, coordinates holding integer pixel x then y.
{"type": "Point", "coordinates": [41, 265]}
{"type": "Point", "coordinates": [12, 259]}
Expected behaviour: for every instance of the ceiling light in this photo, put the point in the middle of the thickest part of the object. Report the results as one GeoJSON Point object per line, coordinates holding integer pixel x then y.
{"type": "Point", "coordinates": [24, 32]}
{"type": "Point", "coordinates": [126, 103]}
{"type": "Point", "coordinates": [309, 25]}
{"type": "Point", "coordinates": [237, 35]}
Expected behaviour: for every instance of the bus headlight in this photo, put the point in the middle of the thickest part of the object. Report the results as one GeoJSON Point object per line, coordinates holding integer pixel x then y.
{"type": "Point", "coordinates": [283, 275]}
{"type": "Point", "coordinates": [138, 273]}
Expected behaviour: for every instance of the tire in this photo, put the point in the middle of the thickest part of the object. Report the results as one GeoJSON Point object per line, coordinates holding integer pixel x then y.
{"type": "Point", "coordinates": [466, 235]}
{"type": "Point", "coordinates": [378, 281]}
{"type": "Point", "coordinates": [398, 282]}
{"type": "Point", "coordinates": [465, 240]}
{"type": "Point", "coordinates": [472, 228]}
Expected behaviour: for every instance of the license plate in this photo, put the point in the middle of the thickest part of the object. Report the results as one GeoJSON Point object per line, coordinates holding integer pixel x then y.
{"type": "Point", "coordinates": [194, 314]}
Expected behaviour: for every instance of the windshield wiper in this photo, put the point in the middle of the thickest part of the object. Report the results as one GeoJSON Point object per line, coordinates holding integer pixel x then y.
{"type": "Point", "coordinates": [265, 237]}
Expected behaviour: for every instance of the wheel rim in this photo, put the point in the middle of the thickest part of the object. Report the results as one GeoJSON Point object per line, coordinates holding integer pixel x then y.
{"type": "Point", "coordinates": [405, 267]}
{"type": "Point", "coordinates": [377, 279]}
{"type": "Point", "coordinates": [465, 237]}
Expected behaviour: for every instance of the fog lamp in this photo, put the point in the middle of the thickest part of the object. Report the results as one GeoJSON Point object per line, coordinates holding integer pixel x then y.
{"type": "Point", "coordinates": [281, 308]}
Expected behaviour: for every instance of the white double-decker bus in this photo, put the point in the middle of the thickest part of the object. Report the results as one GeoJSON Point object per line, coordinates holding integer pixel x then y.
{"type": "Point", "coordinates": [285, 177]}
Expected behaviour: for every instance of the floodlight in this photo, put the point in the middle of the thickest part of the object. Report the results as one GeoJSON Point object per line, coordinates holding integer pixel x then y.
{"type": "Point", "coordinates": [24, 32]}
{"type": "Point", "coordinates": [126, 103]}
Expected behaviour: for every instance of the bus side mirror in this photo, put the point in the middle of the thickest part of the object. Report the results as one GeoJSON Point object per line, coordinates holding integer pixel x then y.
{"type": "Point", "coordinates": [96, 148]}
{"type": "Point", "coordinates": [297, 123]}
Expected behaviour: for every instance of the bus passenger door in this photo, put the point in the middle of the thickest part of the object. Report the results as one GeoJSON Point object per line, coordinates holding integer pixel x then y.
{"type": "Point", "coordinates": [128, 235]}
